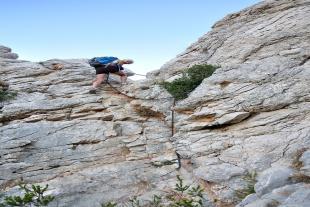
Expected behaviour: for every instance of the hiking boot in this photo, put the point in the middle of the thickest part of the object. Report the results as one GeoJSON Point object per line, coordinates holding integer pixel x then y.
{"type": "Point", "coordinates": [93, 91]}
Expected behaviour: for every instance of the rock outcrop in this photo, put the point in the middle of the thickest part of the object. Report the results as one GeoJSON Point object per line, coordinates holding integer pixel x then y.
{"type": "Point", "coordinates": [6, 52]}
{"type": "Point", "coordinates": [88, 148]}
{"type": "Point", "coordinates": [253, 113]}
{"type": "Point", "coordinates": [244, 132]}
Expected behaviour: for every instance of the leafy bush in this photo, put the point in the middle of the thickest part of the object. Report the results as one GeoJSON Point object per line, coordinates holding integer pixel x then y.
{"type": "Point", "coordinates": [184, 196]}
{"type": "Point", "coordinates": [181, 196]}
{"type": "Point", "coordinates": [191, 78]}
{"type": "Point", "coordinates": [34, 196]}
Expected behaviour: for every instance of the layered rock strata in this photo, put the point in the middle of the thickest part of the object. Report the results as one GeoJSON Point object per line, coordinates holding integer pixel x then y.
{"type": "Point", "coordinates": [88, 148]}
{"type": "Point", "coordinates": [252, 115]}
{"type": "Point", "coordinates": [244, 132]}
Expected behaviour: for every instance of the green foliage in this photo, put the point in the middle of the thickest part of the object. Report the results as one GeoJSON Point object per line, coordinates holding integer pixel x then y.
{"type": "Point", "coordinates": [181, 196]}
{"type": "Point", "coordinates": [249, 189]}
{"type": "Point", "coordinates": [180, 187]}
{"type": "Point", "coordinates": [34, 196]}
{"type": "Point", "coordinates": [109, 204]}
{"type": "Point", "coordinates": [162, 163]}
{"type": "Point", "coordinates": [135, 202]}
{"type": "Point", "coordinates": [6, 95]}
{"type": "Point", "coordinates": [241, 194]}
{"type": "Point", "coordinates": [196, 191]}
{"type": "Point", "coordinates": [191, 78]}
{"type": "Point", "coordinates": [156, 202]}
{"type": "Point", "coordinates": [185, 195]}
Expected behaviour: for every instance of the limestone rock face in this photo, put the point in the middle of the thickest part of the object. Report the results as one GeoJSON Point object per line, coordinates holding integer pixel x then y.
{"type": "Point", "coordinates": [6, 52]}
{"type": "Point", "coordinates": [253, 112]}
{"type": "Point", "coordinates": [270, 32]}
{"type": "Point", "coordinates": [89, 148]}
{"type": "Point", "coordinates": [243, 134]}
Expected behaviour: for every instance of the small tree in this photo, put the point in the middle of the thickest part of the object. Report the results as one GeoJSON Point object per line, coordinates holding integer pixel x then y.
{"type": "Point", "coordinates": [185, 195]}
{"type": "Point", "coordinates": [192, 77]}
{"type": "Point", "coordinates": [34, 196]}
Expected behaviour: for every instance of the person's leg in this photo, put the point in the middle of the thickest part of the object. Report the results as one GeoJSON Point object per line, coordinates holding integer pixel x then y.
{"type": "Point", "coordinates": [96, 83]}
{"type": "Point", "coordinates": [99, 79]}
{"type": "Point", "coordinates": [101, 74]}
{"type": "Point", "coordinates": [94, 80]}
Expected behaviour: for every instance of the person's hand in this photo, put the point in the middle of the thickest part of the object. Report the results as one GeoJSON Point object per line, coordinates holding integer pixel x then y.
{"type": "Point", "coordinates": [125, 61]}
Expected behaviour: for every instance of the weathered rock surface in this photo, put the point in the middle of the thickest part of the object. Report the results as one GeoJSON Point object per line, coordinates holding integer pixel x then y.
{"type": "Point", "coordinates": [288, 195]}
{"type": "Point", "coordinates": [251, 116]}
{"type": "Point", "coordinates": [253, 112]}
{"type": "Point", "coordinates": [88, 148]}
{"type": "Point", "coordinates": [6, 52]}
{"type": "Point", "coordinates": [3, 86]}
{"type": "Point", "coordinates": [273, 178]}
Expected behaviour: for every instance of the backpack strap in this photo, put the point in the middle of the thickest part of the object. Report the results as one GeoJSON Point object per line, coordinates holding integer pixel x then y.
{"type": "Point", "coordinates": [112, 63]}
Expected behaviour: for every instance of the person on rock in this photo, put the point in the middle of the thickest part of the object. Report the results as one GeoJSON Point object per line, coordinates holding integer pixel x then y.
{"type": "Point", "coordinates": [108, 65]}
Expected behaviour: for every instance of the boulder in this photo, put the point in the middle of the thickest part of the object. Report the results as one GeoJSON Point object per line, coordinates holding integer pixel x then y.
{"type": "Point", "coordinates": [273, 178]}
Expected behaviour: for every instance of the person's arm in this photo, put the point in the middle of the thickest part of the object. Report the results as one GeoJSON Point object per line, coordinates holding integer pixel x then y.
{"type": "Point", "coordinates": [122, 70]}
{"type": "Point", "coordinates": [122, 74]}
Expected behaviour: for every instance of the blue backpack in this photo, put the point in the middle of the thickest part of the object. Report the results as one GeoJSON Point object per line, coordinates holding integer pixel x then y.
{"type": "Point", "coordinates": [101, 61]}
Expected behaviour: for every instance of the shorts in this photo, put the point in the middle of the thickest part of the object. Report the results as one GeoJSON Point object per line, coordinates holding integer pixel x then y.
{"type": "Point", "coordinates": [107, 70]}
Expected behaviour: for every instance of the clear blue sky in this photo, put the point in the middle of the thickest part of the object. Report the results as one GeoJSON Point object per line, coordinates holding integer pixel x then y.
{"type": "Point", "coordinates": [149, 31]}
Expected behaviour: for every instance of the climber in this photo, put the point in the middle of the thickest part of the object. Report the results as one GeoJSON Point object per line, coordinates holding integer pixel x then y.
{"type": "Point", "coordinates": [106, 65]}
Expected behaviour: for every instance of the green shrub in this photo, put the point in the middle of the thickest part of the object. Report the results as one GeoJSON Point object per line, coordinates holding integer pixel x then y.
{"type": "Point", "coordinates": [109, 204]}
{"type": "Point", "coordinates": [6, 95]}
{"type": "Point", "coordinates": [182, 196]}
{"type": "Point", "coordinates": [191, 78]}
{"type": "Point", "coordinates": [34, 196]}
{"type": "Point", "coordinates": [185, 195]}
